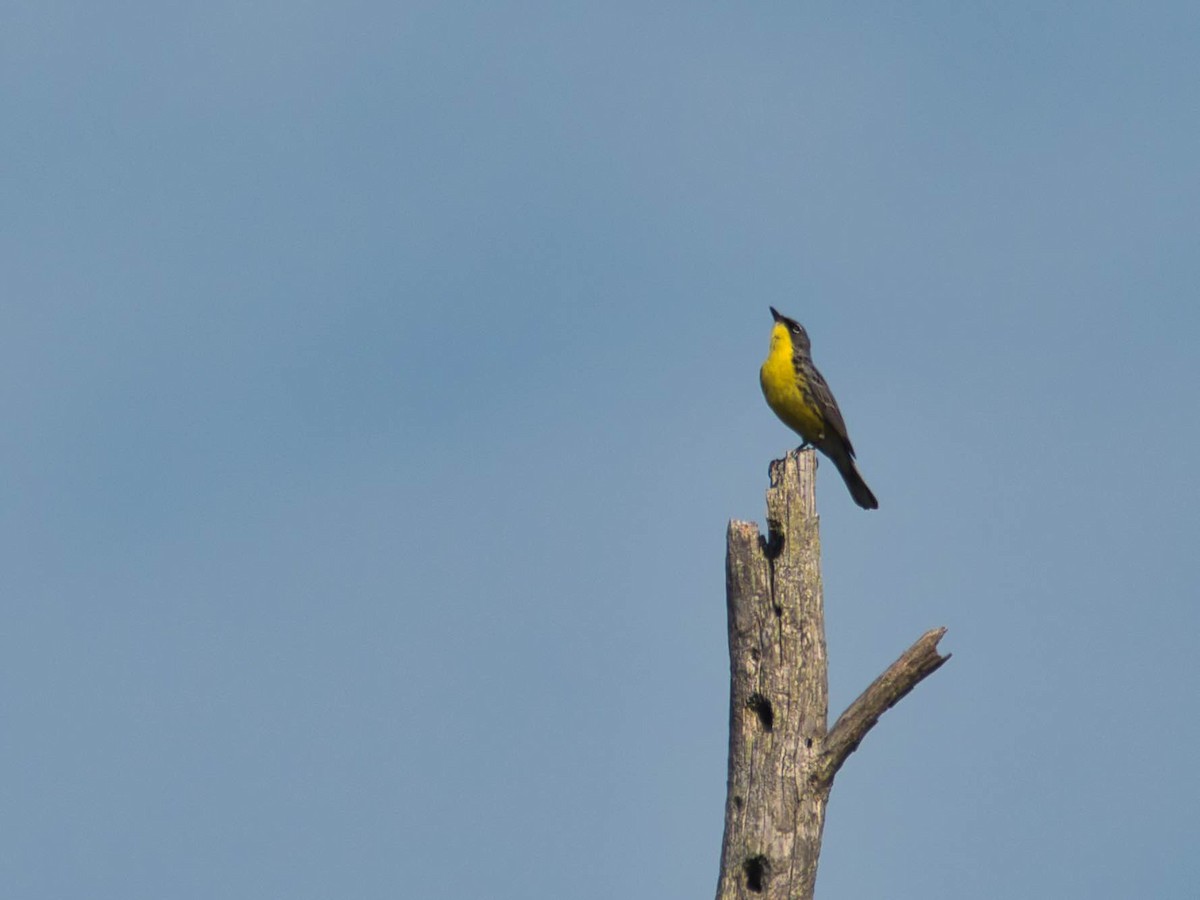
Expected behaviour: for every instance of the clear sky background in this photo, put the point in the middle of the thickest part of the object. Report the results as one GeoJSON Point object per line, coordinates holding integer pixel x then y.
{"type": "Point", "coordinates": [378, 379]}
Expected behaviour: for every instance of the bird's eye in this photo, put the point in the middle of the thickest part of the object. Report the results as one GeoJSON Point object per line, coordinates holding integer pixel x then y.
{"type": "Point", "coordinates": [795, 329]}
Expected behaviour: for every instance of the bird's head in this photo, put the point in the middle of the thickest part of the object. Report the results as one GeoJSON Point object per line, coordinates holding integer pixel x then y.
{"type": "Point", "coordinates": [791, 330]}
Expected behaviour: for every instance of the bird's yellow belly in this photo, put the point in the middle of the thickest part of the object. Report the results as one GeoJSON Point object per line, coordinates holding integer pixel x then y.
{"type": "Point", "coordinates": [783, 395]}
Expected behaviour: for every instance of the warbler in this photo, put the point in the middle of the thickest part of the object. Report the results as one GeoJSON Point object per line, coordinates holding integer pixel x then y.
{"type": "Point", "coordinates": [800, 397]}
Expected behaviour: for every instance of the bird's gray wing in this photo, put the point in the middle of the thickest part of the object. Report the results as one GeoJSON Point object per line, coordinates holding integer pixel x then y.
{"type": "Point", "coordinates": [823, 397]}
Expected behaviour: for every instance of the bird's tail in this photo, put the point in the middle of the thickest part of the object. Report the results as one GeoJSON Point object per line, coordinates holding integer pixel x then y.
{"type": "Point", "coordinates": [854, 481]}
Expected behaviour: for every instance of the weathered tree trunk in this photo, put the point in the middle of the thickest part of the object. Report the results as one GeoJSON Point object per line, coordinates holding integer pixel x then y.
{"type": "Point", "coordinates": [782, 761]}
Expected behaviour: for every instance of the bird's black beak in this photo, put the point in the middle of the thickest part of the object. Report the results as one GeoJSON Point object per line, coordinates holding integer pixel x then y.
{"type": "Point", "coordinates": [775, 314]}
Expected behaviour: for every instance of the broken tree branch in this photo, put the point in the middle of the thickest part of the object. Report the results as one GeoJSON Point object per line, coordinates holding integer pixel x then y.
{"type": "Point", "coordinates": [915, 664]}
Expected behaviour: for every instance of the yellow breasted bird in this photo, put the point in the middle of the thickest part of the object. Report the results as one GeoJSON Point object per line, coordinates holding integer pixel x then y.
{"type": "Point", "coordinates": [800, 397]}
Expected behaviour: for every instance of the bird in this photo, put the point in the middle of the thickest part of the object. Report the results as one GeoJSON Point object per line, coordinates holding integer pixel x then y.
{"type": "Point", "coordinates": [798, 394]}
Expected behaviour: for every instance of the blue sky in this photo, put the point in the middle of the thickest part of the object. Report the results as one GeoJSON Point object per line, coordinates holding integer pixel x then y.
{"type": "Point", "coordinates": [378, 380]}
